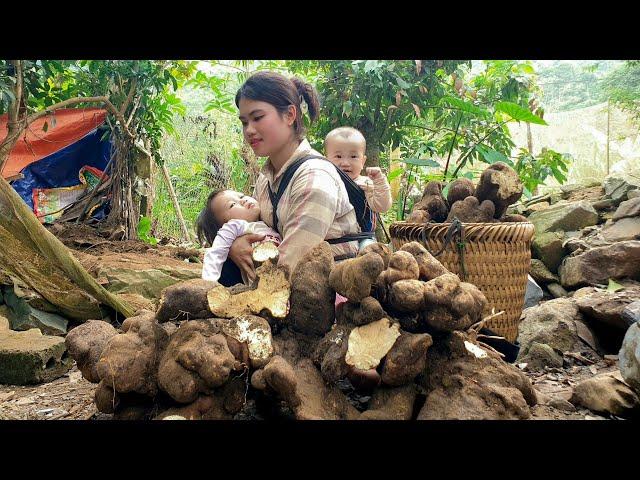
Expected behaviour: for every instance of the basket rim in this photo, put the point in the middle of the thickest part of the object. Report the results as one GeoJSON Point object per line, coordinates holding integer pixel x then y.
{"type": "Point", "coordinates": [500, 232]}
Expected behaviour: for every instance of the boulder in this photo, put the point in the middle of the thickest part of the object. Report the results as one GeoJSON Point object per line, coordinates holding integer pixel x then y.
{"type": "Point", "coordinates": [556, 290]}
{"type": "Point", "coordinates": [30, 357]}
{"type": "Point", "coordinates": [631, 312]}
{"type": "Point", "coordinates": [598, 265]}
{"type": "Point", "coordinates": [606, 393]}
{"type": "Point", "coordinates": [617, 188]}
{"type": "Point", "coordinates": [629, 357]}
{"type": "Point", "coordinates": [23, 316]}
{"type": "Point", "coordinates": [540, 355]}
{"type": "Point", "coordinates": [548, 247]}
{"type": "Point", "coordinates": [533, 293]}
{"type": "Point", "coordinates": [564, 217]}
{"type": "Point", "coordinates": [624, 229]}
{"type": "Point", "coordinates": [630, 208]}
{"type": "Point", "coordinates": [606, 307]}
{"type": "Point", "coordinates": [541, 273]}
{"type": "Point", "coordinates": [633, 193]}
{"type": "Point", "coordinates": [556, 323]}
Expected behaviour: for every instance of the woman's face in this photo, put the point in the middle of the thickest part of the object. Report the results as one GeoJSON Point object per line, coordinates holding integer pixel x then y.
{"type": "Point", "coordinates": [264, 128]}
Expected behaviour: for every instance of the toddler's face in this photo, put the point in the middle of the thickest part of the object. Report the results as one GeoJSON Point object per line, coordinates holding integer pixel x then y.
{"type": "Point", "coordinates": [230, 205]}
{"type": "Point", "coordinates": [347, 154]}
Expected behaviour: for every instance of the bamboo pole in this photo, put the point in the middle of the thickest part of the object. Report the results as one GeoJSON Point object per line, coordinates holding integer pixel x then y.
{"type": "Point", "coordinates": [176, 205]}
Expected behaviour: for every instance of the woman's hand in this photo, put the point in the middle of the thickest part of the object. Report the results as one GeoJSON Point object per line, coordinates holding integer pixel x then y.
{"type": "Point", "coordinates": [240, 252]}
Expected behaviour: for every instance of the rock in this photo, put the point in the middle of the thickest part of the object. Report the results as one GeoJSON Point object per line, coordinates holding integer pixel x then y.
{"type": "Point", "coordinates": [631, 312]}
{"type": "Point", "coordinates": [23, 316]}
{"type": "Point", "coordinates": [564, 217]}
{"type": "Point", "coordinates": [556, 323]}
{"type": "Point", "coordinates": [541, 273]}
{"type": "Point", "coordinates": [623, 229]}
{"type": "Point", "coordinates": [598, 265]}
{"type": "Point", "coordinates": [606, 393]}
{"type": "Point", "coordinates": [633, 194]}
{"type": "Point", "coordinates": [629, 357]}
{"type": "Point", "coordinates": [617, 188]}
{"type": "Point", "coordinates": [604, 204]}
{"type": "Point", "coordinates": [607, 307]}
{"type": "Point", "coordinates": [630, 208]}
{"type": "Point", "coordinates": [466, 382]}
{"type": "Point", "coordinates": [556, 290]}
{"type": "Point", "coordinates": [547, 247]}
{"type": "Point", "coordinates": [31, 357]}
{"type": "Point", "coordinates": [536, 207]}
{"type": "Point", "coordinates": [533, 294]}
{"type": "Point", "coordinates": [541, 355]}
{"type": "Point", "coordinates": [561, 404]}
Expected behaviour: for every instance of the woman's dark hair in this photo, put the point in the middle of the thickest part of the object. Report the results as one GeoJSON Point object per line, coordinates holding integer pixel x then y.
{"type": "Point", "coordinates": [206, 225]}
{"type": "Point", "coordinates": [280, 91]}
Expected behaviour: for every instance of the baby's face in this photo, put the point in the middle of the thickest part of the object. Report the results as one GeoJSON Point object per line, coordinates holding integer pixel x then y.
{"type": "Point", "coordinates": [347, 154]}
{"type": "Point", "coordinates": [230, 205]}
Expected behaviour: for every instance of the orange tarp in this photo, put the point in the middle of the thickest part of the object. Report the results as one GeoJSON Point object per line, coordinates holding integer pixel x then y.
{"type": "Point", "coordinates": [69, 126]}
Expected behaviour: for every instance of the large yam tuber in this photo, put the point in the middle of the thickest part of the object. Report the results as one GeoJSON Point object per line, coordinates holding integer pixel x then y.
{"type": "Point", "coordinates": [196, 360]}
{"type": "Point", "coordinates": [367, 345]}
{"type": "Point", "coordinates": [470, 210]}
{"type": "Point", "coordinates": [85, 344]}
{"type": "Point", "coordinates": [419, 216]}
{"type": "Point", "coordinates": [391, 404]}
{"type": "Point", "coordinates": [452, 304]}
{"type": "Point", "coordinates": [185, 301]}
{"type": "Point", "coordinates": [312, 299]}
{"type": "Point", "coordinates": [429, 266]}
{"type": "Point", "coordinates": [460, 189]}
{"type": "Point", "coordinates": [271, 297]}
{"type": "Point", "coordinates": [433, 202]}
{"type": "Point", "coordinates": [501, 184]}
{"type": "Point", "coordinates": [367, 311]}
{"type": "Point", "coordinates": [353, 278]}
{"type": "Point", "coordinates": [406, 359]}
{"type": "Point", "coordinates": [402, 266]}
{"type": "Point", "coordinates": [129, 361]}
{"type": "Point", "coordinates": [380, 248]}
{"type": "Point", "coordinates": [253, 331]}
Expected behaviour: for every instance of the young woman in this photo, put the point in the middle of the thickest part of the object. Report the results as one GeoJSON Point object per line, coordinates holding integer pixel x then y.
{"type": "Point", "coordinates": [315, 205]}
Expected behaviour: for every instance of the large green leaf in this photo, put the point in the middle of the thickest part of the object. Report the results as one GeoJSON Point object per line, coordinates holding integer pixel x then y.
{"type": "Point", "coordinates": [421, 162]}
{"type": "Point", "coordinates": [464, 106]}
{"type": "Point", "coordinates": [519, 113]}
{"type": "Point", "coordinates": [492, 156]}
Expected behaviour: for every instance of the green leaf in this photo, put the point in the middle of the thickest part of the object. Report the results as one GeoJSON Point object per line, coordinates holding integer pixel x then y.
{"type": "Point", "coordinates": [421, 162]}
{"type": "Point", "coordinates": [395, 174]}
{"type": "Point", "coordinates": [519, 113]}
{"type": "Point", "coordinates": [614, 286]}
{"type": "Point", "coordinates": [370, 65]}
{"type": "Point", "coordinates": [492, 156]}
{"type": "Point", "coordinates": [445, 190]}
{"type": "Point", "coordinates": [346, 108]}
{"type": "Point", "coordinates": [468, 175]}
{"type": "Point", "coordinates": [402, 83]}
{"type": "Point", "coordinates": [464, 106]}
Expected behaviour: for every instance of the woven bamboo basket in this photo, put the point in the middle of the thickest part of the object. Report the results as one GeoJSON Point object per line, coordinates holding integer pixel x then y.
{"type": "Point", "coordinates": [497, 258]}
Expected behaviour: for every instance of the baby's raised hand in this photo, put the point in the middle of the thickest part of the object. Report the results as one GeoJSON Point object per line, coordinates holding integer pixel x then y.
{"type": "Point", "coordinates": [374, 172]}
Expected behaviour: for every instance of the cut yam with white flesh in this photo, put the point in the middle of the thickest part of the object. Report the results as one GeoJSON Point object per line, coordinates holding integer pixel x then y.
{"type": "Point", "coordinates": [256, 333]}
{"type": "Point", "coordinates": [271, 295]}
{"type": "Point", "coordinates": [265, 251]}
{"type": "Point", "coordinates": [370, 343]}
